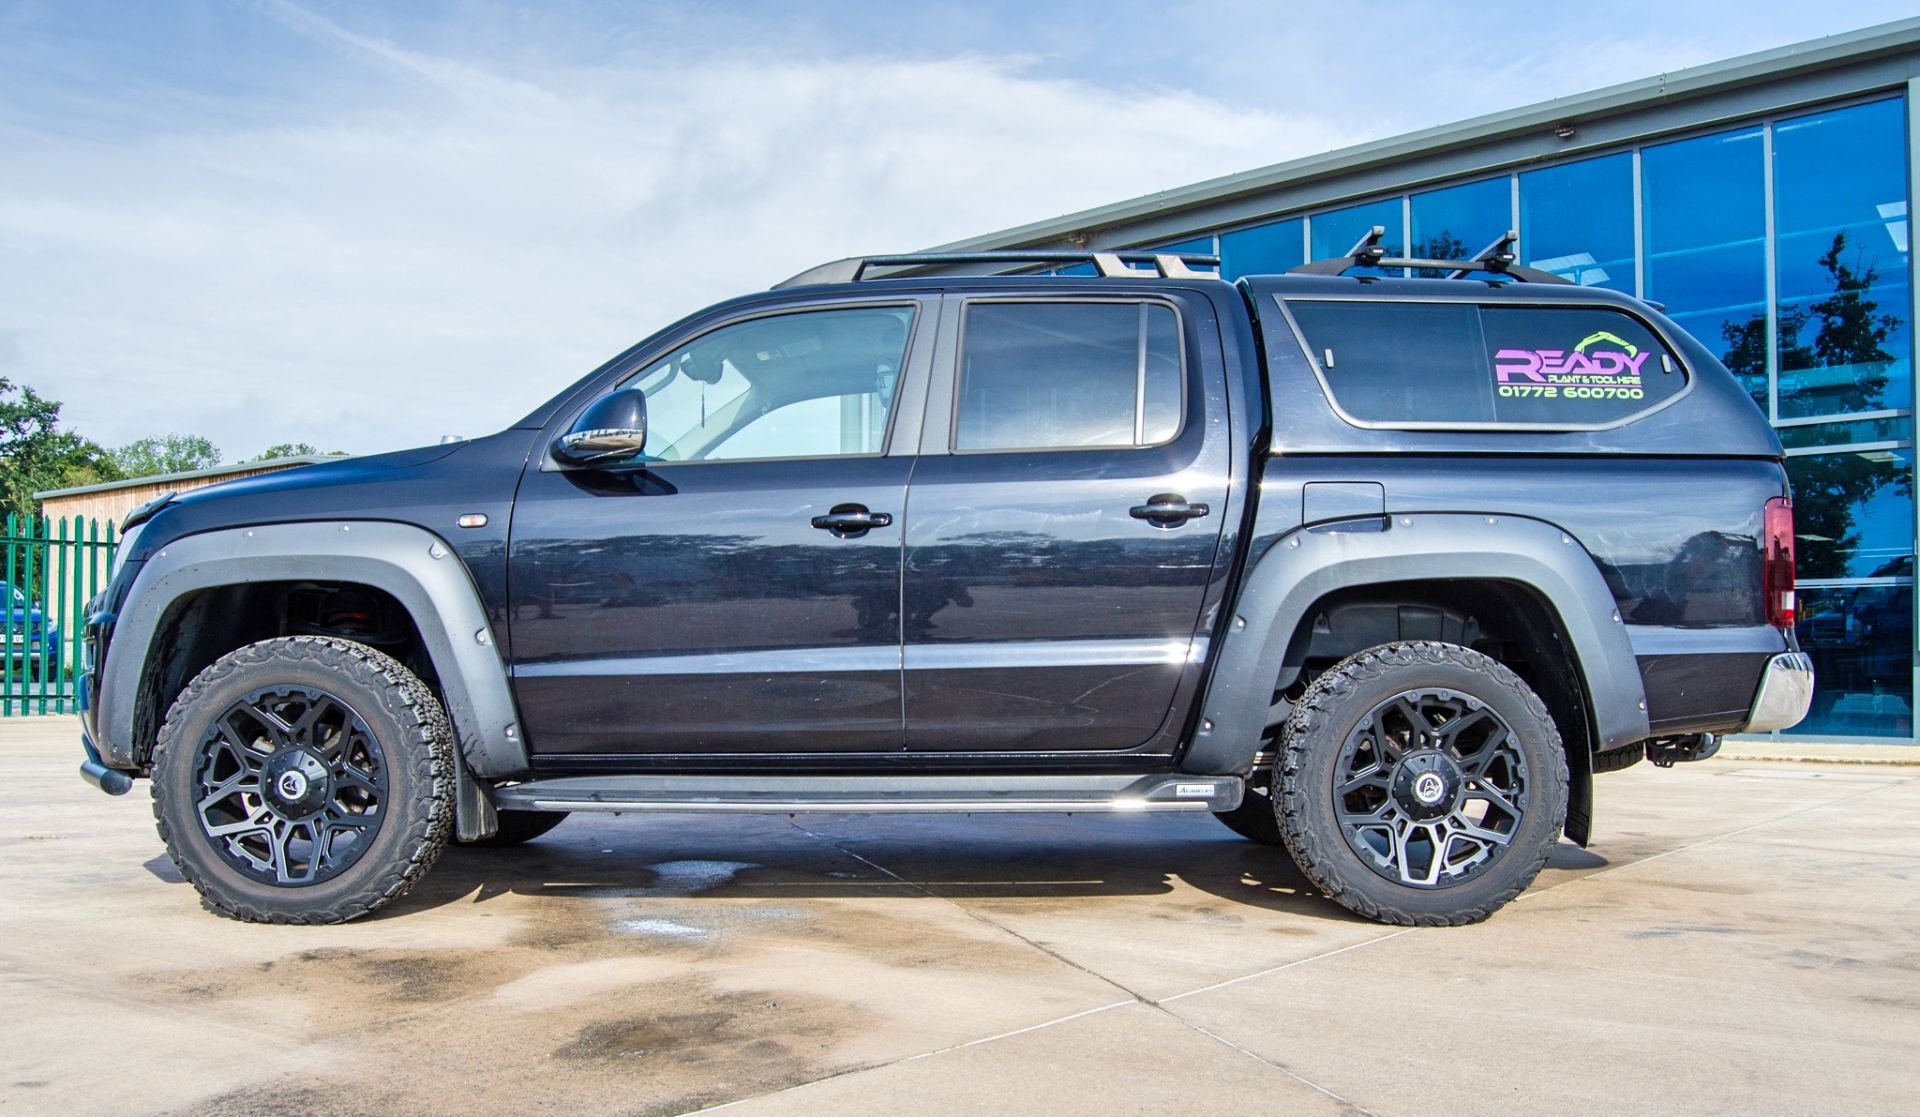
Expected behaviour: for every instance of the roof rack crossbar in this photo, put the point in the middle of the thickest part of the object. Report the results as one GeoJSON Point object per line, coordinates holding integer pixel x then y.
{"type": "Point", "coordinates": [1112, 263]}
{"type": "Point", "coordinates": [1497, 258]}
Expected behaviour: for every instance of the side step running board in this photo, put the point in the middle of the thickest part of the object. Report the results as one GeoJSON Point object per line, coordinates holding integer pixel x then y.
{"type": "Point", "coordinates": [1160, 791]}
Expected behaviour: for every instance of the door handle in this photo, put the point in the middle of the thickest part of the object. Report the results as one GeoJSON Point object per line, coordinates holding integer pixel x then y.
{"type": "Point", "coordinates": [851, 520]}
{"type": "Point", "coordinates": [1168, 510]}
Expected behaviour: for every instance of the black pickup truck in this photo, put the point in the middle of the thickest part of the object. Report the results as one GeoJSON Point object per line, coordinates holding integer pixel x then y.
{"type": "Point", "coordinates": [1380, 562]}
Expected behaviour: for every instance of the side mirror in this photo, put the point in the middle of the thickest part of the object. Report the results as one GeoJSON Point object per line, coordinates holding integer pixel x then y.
{"type": "Point", "coordinates": [611, 431]}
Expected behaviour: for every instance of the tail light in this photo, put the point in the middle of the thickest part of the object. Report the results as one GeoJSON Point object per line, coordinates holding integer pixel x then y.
{"type": "Point", "coordinates": [1777, 562]}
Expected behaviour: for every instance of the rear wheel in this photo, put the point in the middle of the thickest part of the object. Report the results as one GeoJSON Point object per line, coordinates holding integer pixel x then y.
{"type": "Point", "coordinates": [303, 780]}
{"type": "Point", "coordinates": [519, 827]}
{"type": "Point", "coordinates": [1421, 783]}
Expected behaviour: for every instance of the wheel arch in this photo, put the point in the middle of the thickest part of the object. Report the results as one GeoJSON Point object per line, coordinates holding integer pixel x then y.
{"type": "Point", "coordinates": [408, 564]}
{"type": "Point", "coordinates": [1530, 571]}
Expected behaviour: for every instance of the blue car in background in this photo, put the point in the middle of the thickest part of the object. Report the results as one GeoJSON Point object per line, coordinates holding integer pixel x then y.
{"type": "Point", "coordinates": [28, 634]}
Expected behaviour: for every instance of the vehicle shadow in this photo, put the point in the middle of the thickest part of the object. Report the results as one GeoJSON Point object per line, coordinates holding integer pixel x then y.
{"type": "Point", "coordinates": [906, 858]}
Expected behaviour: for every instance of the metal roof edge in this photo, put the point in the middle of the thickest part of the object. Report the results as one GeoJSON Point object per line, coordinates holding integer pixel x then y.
{"type": "Point", "coordinates": [1695, 81]}
{"type": "Point", "coordinates": [191, 475]}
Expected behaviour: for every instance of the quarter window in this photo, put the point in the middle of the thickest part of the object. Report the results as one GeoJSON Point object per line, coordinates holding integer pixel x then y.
{"type": "Point", "coordinates": [1058, 375]}
{"type": "Point", "coordinates": [1426, 363]}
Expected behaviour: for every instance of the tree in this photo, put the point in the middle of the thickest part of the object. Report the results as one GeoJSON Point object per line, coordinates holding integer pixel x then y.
{"type": "Point", "coordinates": [36, 455]}
{"type": "Point", "coordinates": [294, 450]}
{"type": "Point", "coordinates": [170, 453]}
{"type": "Point", "coordinates": [1850, 335]}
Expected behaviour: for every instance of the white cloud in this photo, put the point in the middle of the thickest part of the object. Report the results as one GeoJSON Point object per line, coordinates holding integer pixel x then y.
{"type": "Point", "coordinates": [446, 258]}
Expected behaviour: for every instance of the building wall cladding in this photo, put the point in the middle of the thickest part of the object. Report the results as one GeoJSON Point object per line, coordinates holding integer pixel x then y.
{"type": "Point", "coordinates": [1765, 202]}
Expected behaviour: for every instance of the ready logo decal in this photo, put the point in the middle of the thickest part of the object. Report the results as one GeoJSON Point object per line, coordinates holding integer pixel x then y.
{"type": "Point", "coordinates": [1586, 372]}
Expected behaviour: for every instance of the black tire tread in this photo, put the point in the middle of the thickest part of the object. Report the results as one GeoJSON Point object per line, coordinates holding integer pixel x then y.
{"type": "Point", "coordinates": [428, 750]}
{"type": "Point", "coordinates": [1327, 694]}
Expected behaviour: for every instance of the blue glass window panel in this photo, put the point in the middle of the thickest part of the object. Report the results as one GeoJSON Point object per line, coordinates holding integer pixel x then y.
{"type": "Point", "coordinates": [1840, 180]}
{"type": "Point", "coordinates": [1198, 246]}
{"type": "Point", "coordinates": [1336, 231]}
{"type": "Point", "coordinates": [1576, 220]}
{"type": "Point", "coordinates": [1853, 514]}
{"type": "Point", "coordinates": [1861, 641]}
{"type": "Point", "coordinates": [1455, 223]}
{"type": "Point", "coordinates": [1706, 258]}
{"type": "Point", "coordinates": [1263, 249]}
{"type": "Point", "coordinates": [1077, 269]}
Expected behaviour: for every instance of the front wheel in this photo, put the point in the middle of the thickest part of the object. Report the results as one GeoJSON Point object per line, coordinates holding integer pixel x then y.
{"type": "Point", "coordinates": [305, 779]}
{"type": "Point", "coordinates": [1421, 784]}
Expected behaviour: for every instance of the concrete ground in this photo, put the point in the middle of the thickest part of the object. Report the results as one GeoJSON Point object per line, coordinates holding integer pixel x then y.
{"type": "Point", "coordinates": [1742, 937]}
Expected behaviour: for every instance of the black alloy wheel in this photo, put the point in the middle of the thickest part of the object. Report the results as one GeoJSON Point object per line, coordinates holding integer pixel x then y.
{"type": "Point", "coordinates": [1430, 788]}
{"type": "Point", "coordinates": [291, 785]}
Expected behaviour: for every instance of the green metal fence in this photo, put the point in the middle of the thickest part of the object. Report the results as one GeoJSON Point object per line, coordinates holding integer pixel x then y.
{"type": "Point", "coordinates": [50, 571]}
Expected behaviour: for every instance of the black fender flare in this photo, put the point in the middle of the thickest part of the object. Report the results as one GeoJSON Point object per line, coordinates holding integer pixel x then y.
{"type": "Point", "coordinates": [418, 568]}
{"type": "Point", "coordinates": [1305, 565]}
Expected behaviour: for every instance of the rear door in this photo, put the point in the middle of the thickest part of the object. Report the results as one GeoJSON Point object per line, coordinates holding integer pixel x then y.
{"type": "Point", "coordinates": [1063, 522]}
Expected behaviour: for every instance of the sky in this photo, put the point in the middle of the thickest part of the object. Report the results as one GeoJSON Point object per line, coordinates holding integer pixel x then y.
{"type": "Point", "coordinates": [365, 226]}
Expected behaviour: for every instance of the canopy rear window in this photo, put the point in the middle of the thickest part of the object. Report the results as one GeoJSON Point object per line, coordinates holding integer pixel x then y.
{"type": "Point", "coordinates": [1423, 364]}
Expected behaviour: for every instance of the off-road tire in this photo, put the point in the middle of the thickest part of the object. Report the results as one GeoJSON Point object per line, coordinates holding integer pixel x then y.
{"type": "Point", "coordinates": [414, 737]}
{"type": "Point", "coordinates": [1334, 705]}
{"type": "Point", "coordinates": [1255, 819]}
{"type": "Point", "coordinates": [518, 828]}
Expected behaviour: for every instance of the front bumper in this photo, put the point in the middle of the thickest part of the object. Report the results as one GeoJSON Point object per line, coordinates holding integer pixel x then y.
{"type": "Point", "coordinates": [1785, 694]}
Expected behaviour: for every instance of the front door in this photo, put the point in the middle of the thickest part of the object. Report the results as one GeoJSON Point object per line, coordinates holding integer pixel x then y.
{"type": "Point", "coordinates": [738, 592]}
{"type": "Point", "coordinates": [1062, 528]}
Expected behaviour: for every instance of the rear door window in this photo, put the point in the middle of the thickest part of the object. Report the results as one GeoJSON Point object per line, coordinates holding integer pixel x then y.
{"type": "Point", "coordinates": [1066, 375]}
{"type": "Point", "coordinates": [1461, 364]}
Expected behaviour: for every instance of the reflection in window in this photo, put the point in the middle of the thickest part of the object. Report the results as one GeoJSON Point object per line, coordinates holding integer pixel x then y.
{"type": "Point", "coordinates": [815, 384]}
{"type": "Point", "coordinates": [1576, 220]}
{"type": "Point", "coordinates": [1337, 231]}
{"type": "Point", "coordinates": [1861, 640]}
{"type": "Point", "coordinates": [1455, 223]}
{"type": "Point", "coordinates": [1262, 250]}
{"type": "Point", "coordinates": [1705, 229]}
{"type": "Point", "coordinates": [1057, 375]}
{"type": "Point", "coordinates": [1840, 223]}
{"type": "Point", "coordinates": [1853, 513]}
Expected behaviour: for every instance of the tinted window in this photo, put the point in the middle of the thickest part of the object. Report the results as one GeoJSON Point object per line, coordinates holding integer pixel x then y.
{"type": "Point", "coordinates": [1840, 221]}
{"type": "Point", "coordinates": [1706, 252]}
{"type": "Point", "coordinates": [1455, 223]}
{"type": "Point", "coordinates": [814, 384]}
{"type": "Point", "coordinates": [1455, 363]}
{"type": "Point", "coordinates": [1263, 249]}
{"type": "Point", "coordinates": [1059, 374]}
{"type": "Point", "coordinates": [1577, 367]}
{"type": "Point", "coordinates": [1576, 220]}
{"type": "Point", "coordinates": [1401, 362]}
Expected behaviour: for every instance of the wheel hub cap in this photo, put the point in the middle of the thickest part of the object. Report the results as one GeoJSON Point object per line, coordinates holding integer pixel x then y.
{"type": "Point", "coordinates": [1425, 785]}
{"type": "Point", "coordinates": [296, 782]}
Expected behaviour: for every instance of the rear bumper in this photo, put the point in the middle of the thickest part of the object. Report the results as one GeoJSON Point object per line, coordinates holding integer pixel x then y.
{"type": "Point", "coordinates": [1785, 694]}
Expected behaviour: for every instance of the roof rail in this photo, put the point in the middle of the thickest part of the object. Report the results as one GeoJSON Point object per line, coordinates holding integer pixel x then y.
{"type": "Point", "coordinates": [1496, 258]}
{"type": "Point", "coordinates": [1110, 263]}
